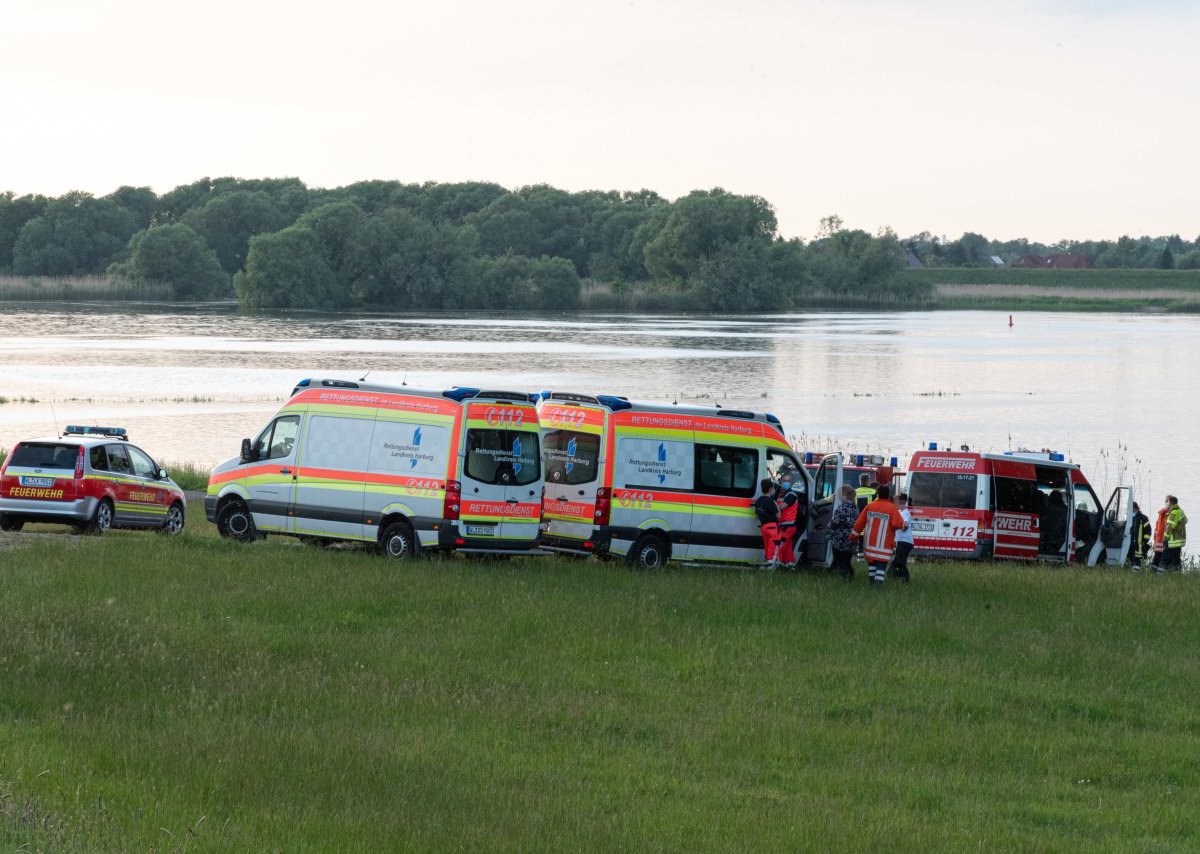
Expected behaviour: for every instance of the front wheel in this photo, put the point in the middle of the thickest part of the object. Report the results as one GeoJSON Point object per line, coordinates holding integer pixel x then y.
{"type": "Point", "coordinates": [234, 522]}
{"type": "Point", "coordinates": [173, 524]}
{"type": "Point", "coordinates": [649, 552]}
{"type": "Point", "coordinates": [398, 541]}
{"type": "Point", "coordinates": [102, 519]}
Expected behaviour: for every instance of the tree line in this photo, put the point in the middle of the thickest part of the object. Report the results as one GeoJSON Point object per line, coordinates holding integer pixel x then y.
{"type": "Point", "coordinates": [276, 243]}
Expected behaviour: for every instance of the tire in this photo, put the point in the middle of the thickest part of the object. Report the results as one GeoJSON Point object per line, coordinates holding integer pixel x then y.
{"type": "Point", "coordinates": [398, 541]}
{"type": "Point", "coordinates": [234, 522]}
{"type": "Point", "coordinates": [8, 523]}
{"type": "Point", "coordinates": [173, 524]}
{"type": "Point", "coordinates": [649, 552]}
{"type": "Point", "coordinates": [102, 519]}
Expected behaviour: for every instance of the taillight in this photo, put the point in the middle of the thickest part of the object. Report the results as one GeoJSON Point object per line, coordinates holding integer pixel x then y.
{"type": "Point", "coordinates": [4, 465]}
{"type": "Point", "coordinates": [79, 464]}
{"type": "Point", "coordinates": [453, 499]}
{"type": "Point", "coordinates": [603, 505]}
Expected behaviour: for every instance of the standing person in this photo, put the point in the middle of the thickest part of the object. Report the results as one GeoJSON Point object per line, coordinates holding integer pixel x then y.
{"type": "Point", "coordinates": [877, 525]}
{"type": "Point", "coordinates": [1175, 535]}
{"type": "Point", "coordinates": [841, 532]}
{"type": "Point", "coordinates": [768, 520]}
{"type": "Point", "coordinates": [1160, 533]}
{"type": "Point", "coordinates": [904, 542]}
{"type": "Point", "coordinates": [863, 496]}
{"type": "Point", "coordinates": [1139, 544]}
{"type": "Point", "coordinates": [789, 509]}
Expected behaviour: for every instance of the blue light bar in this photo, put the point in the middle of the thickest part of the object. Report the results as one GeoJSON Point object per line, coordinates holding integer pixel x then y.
{"type": "Point", "coordinates": [613, 402]}
{"type": "Point", "coordinates": [95, 431]}
{"type": "Point", "coordinates": [933, 446]}
{"type": "Point", "coordinates": [460, 393]}
{"type": "Point", "coordinates": [1058, 458]}
{"type": "Point", "coordinates": [303, 383]}
{"type": "Point", "coordinates": [895, 462]}
{"type": "Point", "coordinates": [809, 457]}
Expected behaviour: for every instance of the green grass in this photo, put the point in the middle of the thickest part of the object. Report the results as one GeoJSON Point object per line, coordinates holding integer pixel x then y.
{"type": "Point", "coordinates": [189, 476]}
{"type": "Point", "coordinates": [1107, 279]}
{"type": "Point", "coordinates": [197, 693]}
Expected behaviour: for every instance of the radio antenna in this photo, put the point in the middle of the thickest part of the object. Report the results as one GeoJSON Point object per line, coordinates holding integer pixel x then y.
{"type": "Point", "coordinates": [404, 381]}
{"type": "Point", "coordinates": [54, 418]}
{"type": "Point", "coordinates": [364, 377]}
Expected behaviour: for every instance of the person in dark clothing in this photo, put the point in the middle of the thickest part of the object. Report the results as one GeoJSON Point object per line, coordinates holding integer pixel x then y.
{"type": "Point", "coordinates": [1054, 524]}
{"type": "Point", "coordinates": [1139, 543]}
{"type": "Point", "coordinates": [840, 527]}
{"type": "Point", "coordinates": [767, 512]}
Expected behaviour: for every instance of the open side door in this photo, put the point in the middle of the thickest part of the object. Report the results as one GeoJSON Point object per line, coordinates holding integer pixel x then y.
{"type": "Point", "coordinates": [827, 483]}
{"type": "Point", "coordinates": [1116, 531]}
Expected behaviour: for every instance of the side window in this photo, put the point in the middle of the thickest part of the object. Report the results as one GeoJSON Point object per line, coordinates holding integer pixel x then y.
{"type": "Point", "coordinates": [781, 464]}
{"type": "Point", "coordinates": [571, 457]}
{"type": "Point", "coordinates": [99, 458]}
{"type": "Point", "coordinates": [825, 480]}
{"type": "Point", "coordinates": [143, 466]}
{"type": "Point", "coordinates": [1016, 495]}
{"type": "Point", "coordinates": [722, 470]}
{"type": "Point", "coordinates": [278, 438]}
{"type": "Point", "coordinates": [118, 459]}
{"type": "Point", "coordinates": [336, 443]}
{"type": "Point", "coordinates": [503, 456]}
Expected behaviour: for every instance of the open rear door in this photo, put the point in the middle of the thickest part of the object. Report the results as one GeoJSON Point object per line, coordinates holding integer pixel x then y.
{"type": "Point", "coordinates": [1116, 530]}
{"type": "Point", "coordinates": [827, 483]}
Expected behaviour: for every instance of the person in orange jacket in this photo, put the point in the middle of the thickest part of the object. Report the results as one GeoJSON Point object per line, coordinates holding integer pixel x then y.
{"type": "Point", "coordinates": [877, 525]}
{"type": "Point", "coordinates": [1160, 538]}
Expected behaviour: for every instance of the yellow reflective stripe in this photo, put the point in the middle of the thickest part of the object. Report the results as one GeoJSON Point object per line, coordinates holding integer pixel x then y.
{"type": "Point", "coordinates": [728, 439]}
{"type": "Point", "coordinates": [529, 426]}
{"type": "Point", "coordinates": [112, 479]}
{"type": "Point", "coordinates": [661, 433]}
{"type": "Point", "coordinates": [707, 510]}
{"type": "Point", "coordinates": [359, 537]}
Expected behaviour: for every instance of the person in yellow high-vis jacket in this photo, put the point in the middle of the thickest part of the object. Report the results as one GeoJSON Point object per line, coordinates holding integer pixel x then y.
{"type": "Point", "coordinates": [1174, 535]}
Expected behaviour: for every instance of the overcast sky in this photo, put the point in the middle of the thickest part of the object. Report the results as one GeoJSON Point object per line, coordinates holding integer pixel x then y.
{"type": "Point", "coordinates": [1038, 119]}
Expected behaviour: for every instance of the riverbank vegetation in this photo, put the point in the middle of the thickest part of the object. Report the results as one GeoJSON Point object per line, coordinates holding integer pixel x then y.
{"type": "Point", "coordinates": [276, 243]}
{"type": "Point", "coordinates": [195, 693]}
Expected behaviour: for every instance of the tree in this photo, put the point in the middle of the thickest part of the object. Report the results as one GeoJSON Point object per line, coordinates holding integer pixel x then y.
{"type": "Point", "coordinates": [76, 234]}
{"type": "Point", "coordinates": [1166, 260]}
{"type": "Point", "coordinates": [1189, 260]}
{"type": "Point", "coordinates": [228, 220]}
{"type": "Point", "coordinates": [697, 225]}
{"type": "Point", "coordinates": [139, 202]}
{"type": "Point", "coordinates": [177, 255]}
{"type": "Point", "coordinates": [286, 269]}
{"type": "Point", "coordinates": [15, 211]}
{"type": "Point", "coordinates": [739, 277]}
{"type": "Point", "coordinates": [554, 284]}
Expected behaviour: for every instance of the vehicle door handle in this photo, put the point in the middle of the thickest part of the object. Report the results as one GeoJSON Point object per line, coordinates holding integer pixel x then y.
{"type": "Point", "coordinates": [285, 471]}
{"type": "Point", "coordinates": [514, 501]}
{"type": "Point", "coordinates": [581, 492]}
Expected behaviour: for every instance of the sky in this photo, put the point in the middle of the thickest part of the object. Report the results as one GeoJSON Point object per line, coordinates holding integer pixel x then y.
{"type": "Point", "coordinates": [1046, 120]}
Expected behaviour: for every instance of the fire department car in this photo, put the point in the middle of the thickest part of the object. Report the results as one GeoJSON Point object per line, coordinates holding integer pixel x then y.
{"type": "Point", "coordinates": [90, 478]}
{"type": "Point", "coordinates": [1017, 505]}
{"type": "Point", "coordinates": [655, 482]}
{"type": "Point", "coordinates": [407, 469]}
{"type": "Point", "coordinates": [882, 470]}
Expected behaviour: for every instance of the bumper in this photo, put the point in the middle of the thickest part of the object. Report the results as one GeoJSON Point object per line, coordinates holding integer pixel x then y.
{"type": "Point", "coordinates": [210, 508]}
{"type": "Point", "coordinates": [63, 512]}
{"type": "Point", "coordinates": [597, 545]}
{"type": "Point", "coordinates": [451, 539]}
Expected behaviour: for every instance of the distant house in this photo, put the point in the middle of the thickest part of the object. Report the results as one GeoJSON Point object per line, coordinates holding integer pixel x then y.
{"type": "Point", "coordinates": [910, 258]}
{"type": "Point", "coordinates": [1070, 261]}
{"type": "Point", "coordinates": [996, 260]}
{"type": "Point", "coordinates": [1064, 261]}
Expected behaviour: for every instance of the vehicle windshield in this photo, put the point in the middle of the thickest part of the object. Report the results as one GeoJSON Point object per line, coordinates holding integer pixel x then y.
{"type": "Point", "coordinates": [45, 455]}
{"type": "Point", "coordinates": [952, 491]}
{"type": "Point", "coordinates": [571, 457]}
{"type": "Point", "coordinates": [503, 456]}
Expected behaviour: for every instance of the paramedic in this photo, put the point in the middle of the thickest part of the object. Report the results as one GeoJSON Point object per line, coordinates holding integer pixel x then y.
{"type": "Point", "coordinates": [841, 526]}
{"type": "Point", "coordinates": [1139, 544]}
{"type": "Point", "coordinates": [877, 525]}
{"type": "Point", "coordinates": [1176, 535]}
{"type": "Point", "coordinates": [768, 519]}
{"type": "Point", "coordinates": [789, 508]}
{"type": "Point", "coordinates": [904, 542]}
{"type": "Point", "coordinates": [1160, 531]}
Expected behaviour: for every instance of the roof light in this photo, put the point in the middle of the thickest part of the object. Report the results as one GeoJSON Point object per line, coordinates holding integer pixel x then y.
{"type": "Point", "coordinates": [303, 383]}
{"type": "Point", "coordinates": [895, 462]}
{"type": "Point", "coordinates": [809, 457]}
{"type": "Point", "coordinates": [616, 404]}
{"type": "Point", "coordinates": [1057, 457]}
{"type": "Point", "coordinates": [460, 393]}
{"type": "Point", "coordinates": [94, 431]}
{"type": "Point", "coordinates": [933, 446]}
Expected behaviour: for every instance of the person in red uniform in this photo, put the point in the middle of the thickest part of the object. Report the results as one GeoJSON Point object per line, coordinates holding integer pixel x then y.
{"type": "Point", "coordinates": [877, 525]}
{"type": "Point", "coordinates": [789, 509]}
{"type": "Point", "coordinates": [767, 512]}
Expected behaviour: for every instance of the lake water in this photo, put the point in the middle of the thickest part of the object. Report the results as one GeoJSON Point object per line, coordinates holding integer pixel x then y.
{"type": "Point", "coordinates": [1117, 393]}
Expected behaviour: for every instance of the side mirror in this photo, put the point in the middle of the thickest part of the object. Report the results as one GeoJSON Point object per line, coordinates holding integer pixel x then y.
{"type": "Point", "coordinates": [247, 451]}
{"type": "Point", "coordinates": [162, 474]}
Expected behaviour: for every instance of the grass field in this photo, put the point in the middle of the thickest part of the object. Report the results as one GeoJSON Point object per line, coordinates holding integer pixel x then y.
{"type": "Point", "coordinates": [199, 694]}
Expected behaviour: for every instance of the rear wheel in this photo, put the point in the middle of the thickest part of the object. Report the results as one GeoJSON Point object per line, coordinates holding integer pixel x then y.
{"type": "Point", "coordinates": [234, 522]}
{"type": "Point", "coordinates": [173, 524]}
{"type": "Point", "coordinates": [102, 519]}
{"type": "Point", "coordinates": [8, 523]}
{"type": "Point", "coordinates": [649, 552]}
{"type": "Point", "coordinates": [398, 541]}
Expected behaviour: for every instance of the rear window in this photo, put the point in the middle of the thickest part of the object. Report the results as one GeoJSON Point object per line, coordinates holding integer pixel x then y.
{"type": "Point", "coordinates": [45, 455]}
{"type": "Point", "coordinates": [571, 457]}
{"type": "Point", "coordinates": [503, 456]}
{"type": "Point", "coordinates": [953, 491]}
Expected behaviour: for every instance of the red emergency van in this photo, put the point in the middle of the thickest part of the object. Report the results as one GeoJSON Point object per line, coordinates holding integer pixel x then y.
{"type": "Point", "coordinates": [1016, 505]}
{"type": "Point", "coordinates": [882, 470]}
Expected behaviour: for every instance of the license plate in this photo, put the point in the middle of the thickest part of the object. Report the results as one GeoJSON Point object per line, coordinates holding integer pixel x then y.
{"type": "Point", "coordinates": [36, 481]}
{"type": "Point", "coordinates": [481, 530]}
{"type": "Point", "coordinates": [924, 527]}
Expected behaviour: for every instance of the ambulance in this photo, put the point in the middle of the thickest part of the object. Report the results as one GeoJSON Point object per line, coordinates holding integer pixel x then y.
{"type": "Point", "coordinates": [654, 482]}
{"type": "Point", "coordinates": [408, 470]}
{"type": "Point", "coordinates": [1017, 505]}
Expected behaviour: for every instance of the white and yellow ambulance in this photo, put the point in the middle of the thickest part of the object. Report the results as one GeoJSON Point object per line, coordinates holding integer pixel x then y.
{"type": "Point", "coordinates": [408, 469]}
{"type": "Point", "coordinates": [655, 482]}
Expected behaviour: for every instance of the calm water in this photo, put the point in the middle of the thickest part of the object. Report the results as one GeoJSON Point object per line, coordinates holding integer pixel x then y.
{"type": "Point", "coordinates": [1115, 392]}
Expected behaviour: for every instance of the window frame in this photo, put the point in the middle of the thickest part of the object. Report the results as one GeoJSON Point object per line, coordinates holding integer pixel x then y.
{"type": "Point", "coordinates": [703, 488]}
